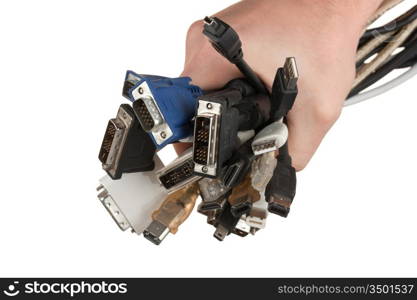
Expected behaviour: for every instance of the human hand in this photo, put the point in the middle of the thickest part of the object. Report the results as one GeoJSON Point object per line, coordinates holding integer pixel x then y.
{"type": "Point", "coordinates": [322, 35]}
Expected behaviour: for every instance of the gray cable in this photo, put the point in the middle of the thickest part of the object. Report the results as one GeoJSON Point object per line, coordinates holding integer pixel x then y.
{"type": "Point", "coordinates": [383, 88]}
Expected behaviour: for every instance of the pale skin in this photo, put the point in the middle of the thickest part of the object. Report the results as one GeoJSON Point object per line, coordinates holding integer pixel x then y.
{"type": "Point", "coordinates": [323, 36]}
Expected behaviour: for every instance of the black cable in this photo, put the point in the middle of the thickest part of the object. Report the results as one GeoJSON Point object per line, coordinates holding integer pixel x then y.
{"type": "Point", "coordinates": [394, 25]}
{"type": "Point", "coordinates": [395, 62]}
{"type": "Point", "coordinates": [246, 70]}
{"type": "Point", "coordinates": [226, 41]}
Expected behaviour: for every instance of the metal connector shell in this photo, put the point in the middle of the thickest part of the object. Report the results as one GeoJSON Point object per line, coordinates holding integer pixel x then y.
{"type": "Point", "coordinates": [149, 113]}
{"type": "Point", "coordinates": [205, 137]}
{"type": "Point", "coordinates": [290, 73]}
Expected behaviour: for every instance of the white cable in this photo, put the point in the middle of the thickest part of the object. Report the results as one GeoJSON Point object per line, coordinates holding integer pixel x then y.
{"type": "Point", "coordinates": [383, 88]}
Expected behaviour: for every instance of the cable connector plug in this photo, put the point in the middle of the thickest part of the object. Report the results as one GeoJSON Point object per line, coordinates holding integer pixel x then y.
{"type": "Point", "coordinates": [171, 214]}
{"type": "Point", "coordinates": [220, 116]}
{"type": "Point", "coordinates": [223, 38]}
{"type": "Point", "coordinates": [262, 170]}
{"type": "Point", "coordinates": [178, 173]}
{"type": "Point", "coordinates": [213, 194]}
{"type": "Point", "coordinates": [155, 102]}
{"type": "Point", "coordinates": [238, 166]}
{"type": "Point", "coordinates": [280, 190]}
{"type": "Point", "coordinates": [226, 41]}
{"type": "Point", "coordinates": [126, 148]}
{"type": "Point", "coordinates": [271, 138]}
{"type": "Point", "coordinates": [284, 89]}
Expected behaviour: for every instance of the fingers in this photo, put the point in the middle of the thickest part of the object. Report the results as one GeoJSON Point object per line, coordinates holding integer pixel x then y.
{"type": "Point", "coordinates": [313, 114]}
{"type": "Point", "coordinates": [306, 132]}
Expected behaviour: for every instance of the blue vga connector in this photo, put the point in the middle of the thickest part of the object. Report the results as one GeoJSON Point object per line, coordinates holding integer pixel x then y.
{"type": "Point", "coordinates": [164, 106]}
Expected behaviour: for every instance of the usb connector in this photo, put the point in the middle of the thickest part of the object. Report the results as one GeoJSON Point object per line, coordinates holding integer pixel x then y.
{"type": "Point", "coordinates": [284, 89]}
{"type": "Point", "coordinates": [290, 74]}
{"type": "Point", "coordinates": [271, 138]}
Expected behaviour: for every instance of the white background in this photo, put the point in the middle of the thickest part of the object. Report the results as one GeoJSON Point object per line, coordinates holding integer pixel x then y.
{"type": "Point", "coordinates": [62, 65]}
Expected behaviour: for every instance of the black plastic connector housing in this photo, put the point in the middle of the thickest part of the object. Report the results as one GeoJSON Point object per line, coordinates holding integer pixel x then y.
{"type": "Point", "coordinates": [128, 151]}
{"type": "Point", "coordinates": [280, 191]}
{"type": "Point", "coordinates": [284, 90]}
{"type": "Point", "coordinates": [225, 223]}
{"type": "Point", "coordinates": [220, 115]}
{"type": "Point", "coordinates": [178, 174]}
{"type": "Point", "coordinates": [223, 38]}
{"type": "Point", "coordinates": [238, 166]}
{"type": "Point", "coordinates": [226, 41]}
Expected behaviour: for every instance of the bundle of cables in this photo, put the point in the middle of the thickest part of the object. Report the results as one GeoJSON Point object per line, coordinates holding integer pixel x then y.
{"type": "Point", "coordinates": [235, 131]}
{"type": "Point", "coordinates": [383, 50]}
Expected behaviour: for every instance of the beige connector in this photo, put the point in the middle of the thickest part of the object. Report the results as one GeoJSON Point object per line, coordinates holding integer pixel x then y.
{"type": "Point", "coordinates": [177, 207]}
{"type": "Point", "coordinates": [172, 213]}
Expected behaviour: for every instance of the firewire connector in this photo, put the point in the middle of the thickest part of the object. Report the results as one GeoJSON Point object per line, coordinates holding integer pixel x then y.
{"type": "Point", "coordinates": [171, 214]}
{"type": "Point", "coordinates": [155, 102]}
{"type": "Point", "coordinates": [280, 191]}
{"type": "Point", "coordinates": [226, 41]}
{"type": "Point", "coordinates": [126, 148]}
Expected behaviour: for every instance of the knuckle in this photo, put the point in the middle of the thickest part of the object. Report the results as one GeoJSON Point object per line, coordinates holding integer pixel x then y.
{"type": "Point", "coordinates": [299, 165]}
{"type": "Point", "coordinates": [326, 114]}
{"type": "Point", "coordinates": [195, 30]}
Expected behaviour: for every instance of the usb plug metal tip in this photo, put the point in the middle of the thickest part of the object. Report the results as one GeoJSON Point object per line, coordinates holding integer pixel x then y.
{"type": "Point", "coordinates": [290, 73]}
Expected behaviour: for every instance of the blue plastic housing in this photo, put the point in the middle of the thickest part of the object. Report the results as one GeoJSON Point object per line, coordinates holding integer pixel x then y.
{"type": "Point", "coordinates": [175, 97]}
